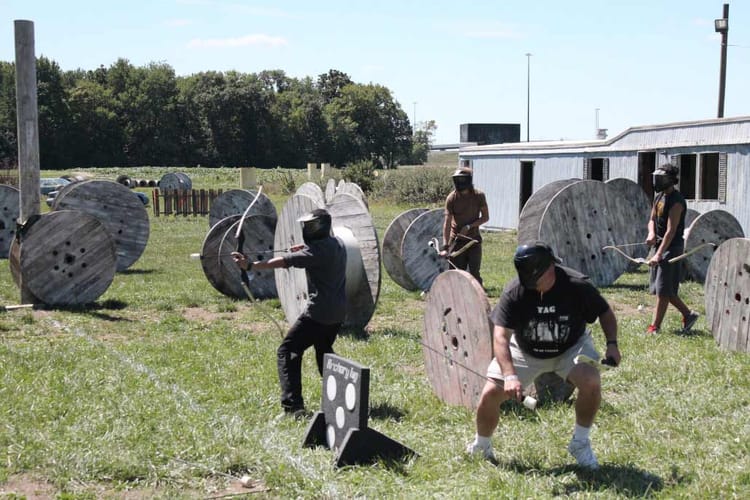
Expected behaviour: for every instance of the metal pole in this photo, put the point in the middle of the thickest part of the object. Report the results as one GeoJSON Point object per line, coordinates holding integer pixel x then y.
{"type": "Point", "coordinates": [528, 93]}
{"type": "Point", "coordinates": [723, 69]}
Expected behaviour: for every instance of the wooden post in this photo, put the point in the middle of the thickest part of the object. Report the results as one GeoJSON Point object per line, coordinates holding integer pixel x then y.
{"type": "Point", "coordinates": [311, 167]}
{"type": "Point", "coordinates": [28, 130]}
{"type": "Point", "coordinates": [247, 178]}
{"type": "Point", "coordinates": [324, 169]}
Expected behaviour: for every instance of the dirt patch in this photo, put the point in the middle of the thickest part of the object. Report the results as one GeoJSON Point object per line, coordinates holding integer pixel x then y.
{"type": "Point", "coordinates": [27, 486]}
{"type": "Point", "coordinates": [200, 314]}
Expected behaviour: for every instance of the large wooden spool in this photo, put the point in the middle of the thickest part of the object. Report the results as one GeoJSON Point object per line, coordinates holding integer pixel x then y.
{"type": "Point", "coordinates": [120, 211]}
{"type": "Point", "coordinates": [630, 207]}
{"type": "Point", "coordinates": [533, 210]}
{"type": "Point", "coordinates": [727, 295]}
{"type": "Point", "coordinates": [236, 201]}
{"type": "Point", "coordinates": [421, 261]}
{"type": "Point", "coordinates": [175, 181]}
{"type": "Point", "coordinates": [313, 191]}
{"type": "Point", "coordinates": [393, 260]}
{"type": "Point", "coordinates": [10, 207]}
{"type": "Point", "coordinates": [210, 256]}
{"type": "Point", "coordinates": [258, 231]}
{"type": "Point", "coordinates": [64, 258]}
{"type": "Point", "coordinates": [457, 338]}
{"type": "Point", "coordinates": [330, 190]}
{"type": "Point", "coordinates": [714, 226]}
{"type": "Point", "coordinates": [353, 224]}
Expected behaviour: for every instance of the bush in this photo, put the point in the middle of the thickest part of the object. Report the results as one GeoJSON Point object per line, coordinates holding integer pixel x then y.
{"type": "Point", "coordinates": [415, 185]}
{"type": "Point", "coordinates": [361, 173]}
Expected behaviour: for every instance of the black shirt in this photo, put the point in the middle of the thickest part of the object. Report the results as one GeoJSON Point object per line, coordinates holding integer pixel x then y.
{"type": "Point", "coordinates": [663, 203]}
{"type": "Point", "coordinates": [546, 325]}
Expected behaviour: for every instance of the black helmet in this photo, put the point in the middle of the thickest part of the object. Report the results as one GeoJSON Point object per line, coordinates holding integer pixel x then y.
{"type": "Point", "coordinates": [462, 178]}
{"type": "Point", "coordinates": [665, 176]}
{"type": "Point", "coordinates": [532, 260]}
{"type": "Point", "coordinates": [316, 224]}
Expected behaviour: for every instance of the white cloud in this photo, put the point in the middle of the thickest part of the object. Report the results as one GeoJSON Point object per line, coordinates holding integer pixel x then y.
{"type": "Point", "coordinates": [243, 41]}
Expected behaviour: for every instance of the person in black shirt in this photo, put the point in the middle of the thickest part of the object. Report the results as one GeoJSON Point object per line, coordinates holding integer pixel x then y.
{"type": "Point", "coordinates": [540, 326]}
{"type": "Point", "coordinates": [323, 256]}
{"type": "Point", "coordinates": [666, 226]}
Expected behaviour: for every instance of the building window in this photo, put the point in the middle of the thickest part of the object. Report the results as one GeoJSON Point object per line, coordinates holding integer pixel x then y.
{"type": "Point", "coordinates": [702, 176]}
{"type": "Point", "coordinates": [596, 169]}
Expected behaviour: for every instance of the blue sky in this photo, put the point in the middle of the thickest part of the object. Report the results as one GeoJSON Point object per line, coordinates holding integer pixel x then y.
{"type": "Point", "coordinates": [638, 62]}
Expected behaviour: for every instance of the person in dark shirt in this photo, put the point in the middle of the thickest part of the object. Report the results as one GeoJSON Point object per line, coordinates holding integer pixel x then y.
{"type": "Point", "coordinates": [465, 210]}
{"type": "Point", "coordinates": [539, 327]}
{"type": "Point", "coordinates": [666, 226]}
{"type": "Point", "coordinates": [323, 257]}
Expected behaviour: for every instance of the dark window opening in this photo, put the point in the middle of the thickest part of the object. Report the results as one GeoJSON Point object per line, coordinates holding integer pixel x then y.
{"type": "Point", "coordinates": [709, 176]}
{"type": "Point", "coordinates": [527, 183]}
{"type": "Point", "coordinates": [687, 164]}
{"type": "Point", "coordinates": [646, 167]}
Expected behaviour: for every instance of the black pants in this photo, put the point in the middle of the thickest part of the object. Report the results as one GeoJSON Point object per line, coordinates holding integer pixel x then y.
{"type": "Point", "coordinates": [470, 260]}
{"type": "Point", "coordinates": [303, 334]}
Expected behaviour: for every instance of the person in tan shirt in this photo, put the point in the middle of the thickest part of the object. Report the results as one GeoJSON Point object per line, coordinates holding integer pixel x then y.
{"type": "Point", "coordinates": [465, 210]}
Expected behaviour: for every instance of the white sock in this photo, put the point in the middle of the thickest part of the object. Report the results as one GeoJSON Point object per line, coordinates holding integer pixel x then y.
{"type": "Point", "coordinates": [483, 442]}
{"type": "Point", "coordinates": [580, 432]}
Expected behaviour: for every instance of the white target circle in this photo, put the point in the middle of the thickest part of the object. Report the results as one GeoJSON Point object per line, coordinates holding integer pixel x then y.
{"type": "Point", "coordinates": [340, 417]}
{"type": "Point", "coordinates": [331, 387]}
{"type": "Point", "coordinates": [350, 396]}
{"type": "Point", "coordinates": [330, 436]}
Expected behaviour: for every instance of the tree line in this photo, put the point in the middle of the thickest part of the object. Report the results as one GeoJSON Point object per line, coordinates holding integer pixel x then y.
{"type": "Point", "coordinates": [123, 115]}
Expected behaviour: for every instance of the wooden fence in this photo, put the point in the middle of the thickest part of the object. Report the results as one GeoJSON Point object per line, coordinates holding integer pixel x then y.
{"type": "Point", "coordinates": [183, 202]}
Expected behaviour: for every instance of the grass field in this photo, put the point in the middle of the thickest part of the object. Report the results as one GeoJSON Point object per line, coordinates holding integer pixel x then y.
{"type": "Point", "coordinates": [167, 389]}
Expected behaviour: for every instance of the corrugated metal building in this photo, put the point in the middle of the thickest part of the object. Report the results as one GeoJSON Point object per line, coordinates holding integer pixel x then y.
{"type": "Point", "coordinates": [713, 157]}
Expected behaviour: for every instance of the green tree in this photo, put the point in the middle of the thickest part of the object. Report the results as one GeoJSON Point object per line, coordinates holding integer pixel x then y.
{"type": "Point", "coordinates": [8, 143]}
{"type": "Point", "coordinates": [423, 137]}
{"type": "Point", "coordinates": [53, 115]}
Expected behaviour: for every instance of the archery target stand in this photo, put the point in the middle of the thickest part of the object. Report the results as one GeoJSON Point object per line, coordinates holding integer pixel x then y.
{"type": "Point", "coordinates": [342, 423]}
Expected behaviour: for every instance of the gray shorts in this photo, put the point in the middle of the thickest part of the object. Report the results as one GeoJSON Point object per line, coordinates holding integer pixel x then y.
{"type": "Point", "coordinates": [528, 367]}
{"type": "Point", "coordinates": [664, 279]}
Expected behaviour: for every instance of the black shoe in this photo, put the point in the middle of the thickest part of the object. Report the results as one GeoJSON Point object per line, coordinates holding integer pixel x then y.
{"type": "Point", "coordinates": [298, 412]}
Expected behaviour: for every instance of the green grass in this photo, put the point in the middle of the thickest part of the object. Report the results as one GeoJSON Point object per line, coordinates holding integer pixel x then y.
{"type": "Point", "coordinates": [113, 400]}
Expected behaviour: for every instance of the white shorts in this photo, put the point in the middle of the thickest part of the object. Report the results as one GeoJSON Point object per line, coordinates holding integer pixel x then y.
{"type": "Point", "coordinates": [528, 367]}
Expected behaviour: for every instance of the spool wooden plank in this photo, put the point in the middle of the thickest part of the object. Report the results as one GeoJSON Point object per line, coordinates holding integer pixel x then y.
{"type": "Point", "coordinates": [111, 203]}
{"type": "Point", "coordinates": [236, 201]}
{"type": "Point", "coordinates": [330, 190]}
{"type": "Point", "coordinates": [457, 334]}
{"type": "Point", "coordinates": [363, 273]}
{"type": "Point", "coordinates": [393, 260]}
{"type": "Point", "coordinates": [532, 211]}
{"type": "Point", "coordinates": [577, 223]}
{"type": "Point", "coordinates": [120, 211]}
{"type": "Point", "coordinates": [10, 208]}
{"type": "Point", "coordinates": [175, 180]}
{"type": "Point", "coordinates": [291, 283]}
{"type": "Point", "coordinates": [422, 262]}
{"type": "Point", "coordinates": [259, 233]}
{"type": "Point", "coordinates": [313, 191]}
{"type": "Point", "coordinates": [629, 209]}
{"type": "Point", "coordinates": [354, 190]}
{"type": "Point", "coordinates": [211, 258]}
{"type": "Point", "coordinates": [714, 226]}
{"type": "Point", "coordinates": [727, 295]}
{"type": "Point", "coordinates": [66, 258]}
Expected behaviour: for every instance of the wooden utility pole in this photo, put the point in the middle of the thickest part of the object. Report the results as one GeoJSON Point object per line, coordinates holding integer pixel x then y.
{"type": "Point", "coordinates": [28, 128]}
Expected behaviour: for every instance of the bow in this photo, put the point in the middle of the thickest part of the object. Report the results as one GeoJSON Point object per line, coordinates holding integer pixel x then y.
{"type": "Point", "coordinates": [641, 260]}
{"type": "Point", "coordinates": [690, 252]}
{"type": "Point", "coordinates": [637, 260]}
{"type": "Point", "coordinates": [244, 277]}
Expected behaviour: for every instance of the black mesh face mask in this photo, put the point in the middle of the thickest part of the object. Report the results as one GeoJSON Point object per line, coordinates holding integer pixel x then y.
{"type": "Point", "coordinates": [662, 180]}
{"type": "Point", "coordinates": [532, 261]}
{"type": "Point", "coordinates": [315, 225]}
{"type": "Point", "coordinates": [462, 180]}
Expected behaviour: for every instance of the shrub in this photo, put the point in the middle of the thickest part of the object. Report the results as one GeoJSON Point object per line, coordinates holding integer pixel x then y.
{"type": "Point", "coordinates": [416, 185]}
{"type": "Point", "coordinates": [361, 173]}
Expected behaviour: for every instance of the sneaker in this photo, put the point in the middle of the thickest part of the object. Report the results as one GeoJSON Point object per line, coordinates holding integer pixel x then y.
{"type": "Point", "coordinates": [652, 330]}
{"type": "Point", "coordinates": [584, 455]}
{"type": "Point", "coordinates": [474, 450]}
{"type": "Point", "coordinates": [688, 321]}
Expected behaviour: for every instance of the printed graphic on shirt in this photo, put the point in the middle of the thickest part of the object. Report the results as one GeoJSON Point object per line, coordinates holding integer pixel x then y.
{"type": "Point", "coordinates": [547, 330]}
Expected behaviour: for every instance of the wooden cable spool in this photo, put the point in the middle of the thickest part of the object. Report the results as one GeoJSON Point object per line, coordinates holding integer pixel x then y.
{"type": "Point", "coordinates": [175, 181]}
{"type": "Point", "coordinates": [421, 261]}
{"type": "Point", "coordinates": [313, 191]}
{"type": "Point", "coordinates": [210, 256]}
{"type": "Point", "coordinates": [457, 335]}
{"type": "Point", "coordinates": [120, 211]}
{"type": "Point", "coordinates": [532, 211]}
{"type": "Point", "coordinates": [727, 295]}
{"type": "Point", "coordinates": [353, 224]}
{"type": "Point", "coordinates": [236, 201]}
{"type": "Point", "coordinates": [259, 235]}
{"type": "Point", "coordinates": [64, 258]}
{"type": "Point", "coordinates": [10, 199]}
{"type": "Point", "coordinates": [629, 208]}
{"type": "Point", "coordinates": [354, 190]}
{"type": "Point", "coordinates": [714, 226]}
{"type": "Point", "coordinates": [393, 260]}
{"type": "Point", "coordinates": [330, 190]}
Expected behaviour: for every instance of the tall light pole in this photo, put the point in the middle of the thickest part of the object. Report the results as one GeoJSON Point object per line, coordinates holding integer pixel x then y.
{"type": "Point", "coordinates": [722, 26]}
{"type": "Point", "coordinates": [528, 93]}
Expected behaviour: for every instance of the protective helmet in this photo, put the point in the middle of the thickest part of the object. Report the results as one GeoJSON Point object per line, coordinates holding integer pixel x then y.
{"type": "Point", "coordinates": [532, 260]}
{"type": "Point", "coordinates": [462, 178]}
{"type": "Point", "coordinates": [316, 224]}
{"type": "Point", "coordinates": [664, 177]}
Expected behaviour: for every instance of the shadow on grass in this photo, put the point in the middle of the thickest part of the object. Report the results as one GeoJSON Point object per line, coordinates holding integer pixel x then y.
{"type": "Point", "coordinates": [636, 287]}
{"type": "Point", "coordinates": [385, 411]}
{"type": "Point", "coordinates": [138, 271]}
{"type": "Point", "coordinates": [627, 480]}
{"type": "Point", "coordinates": [94, 308]}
